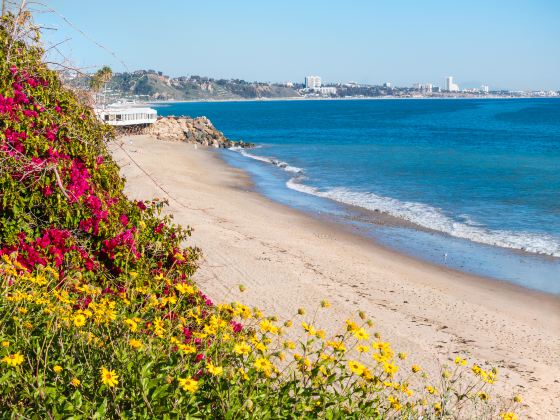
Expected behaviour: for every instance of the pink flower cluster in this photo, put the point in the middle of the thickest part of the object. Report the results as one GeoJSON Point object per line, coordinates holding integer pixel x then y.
{"type": "Point", "coordinates": [124, 240]}
{"type": "Point", "coordinates": [14, 142]}
{"type": "Point", "coordinates": [79, 177]}
{"type": "Point", "coordinates": [51, 247]}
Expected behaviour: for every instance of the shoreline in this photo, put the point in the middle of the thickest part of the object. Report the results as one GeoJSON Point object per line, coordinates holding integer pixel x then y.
{"type": "Point", "coordinates": [376, 98]}
{"type": "Point", "coordinates": [470, 256]}
{"type": "Point", "coordinates": [353, 231]}
{"type": "Point", "coordinates": [288, 259]}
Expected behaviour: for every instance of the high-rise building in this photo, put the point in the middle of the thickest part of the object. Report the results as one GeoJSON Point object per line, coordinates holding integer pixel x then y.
{"type": "Point", "coordinates": [388, 84]}
{"type": "Point", "coordinates": [312, 82]}
{"type": "Point", "coordinates": [423, 87]}
{"type": "Point", "coordinates": [450, 86]}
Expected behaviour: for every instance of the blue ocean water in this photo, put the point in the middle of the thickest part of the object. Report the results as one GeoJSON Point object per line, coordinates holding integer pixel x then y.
{"type": "Point", "coordinates": [475, 183]}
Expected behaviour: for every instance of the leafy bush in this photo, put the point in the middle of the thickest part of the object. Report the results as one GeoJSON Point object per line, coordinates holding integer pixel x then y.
{"type": "Point", "coordinates": [99, 316]}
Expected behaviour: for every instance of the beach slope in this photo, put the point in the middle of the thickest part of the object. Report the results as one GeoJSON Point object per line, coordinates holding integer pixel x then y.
{"type": "Point", "coordinates": [287, 260]}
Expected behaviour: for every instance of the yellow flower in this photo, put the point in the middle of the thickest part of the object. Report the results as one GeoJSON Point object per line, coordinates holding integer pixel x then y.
{"type": "Point", "coordinates": [290, 345]}
{"type": "Point", "coordinates": [242, 348]}
{"type": "Point", "coordinates": [79, 320]}
{"type": "Point", "coordinates": [431, 390]}
{"type": "Point", "coordinates": [402, 356]}
{"type": "Point", "coordinates": [337, 345]}
{"type": "Point", "coordinates": [351, 325]}
{"type": "Point", "coordinates": [508, 416]}
{"type": "Point", "coordinates": [187, 348]}
{"type": "Point", "coordinates": [362, 349]}
{"type": "Point", "coordinates": [309, 328]}
{"type": "Point", "coordinates": [263, 365]}
{"type": "Point", "coordinates": [214, 370]}
{"type": "Point", "coordinates": [75, 382]}
{"type": "Point", "coordinates": [416, 368]}
{"type": "Point", "coordinates": [109, 377]}
{"type": "Point", "coordinates": [185, 288]}
{"type": "Point", "coordinates": [5, 344]}
{"type": "Point", "coordinates": [301, 311]}
{"type": "Point", "coordinates": [460, 361]}
{"type": "Point", "coordinates": [437, 408]}
{"type": "Point", "coordinates": [325, 304]}
{"type": "Point", "coordinates": [483, 396]}
{"type": "Point", "coordinates": [188, 384]}
{"type": "Point", "coordinates": [243, 374]}
{"type": "Point", "coordinates": [477, 370]}
{"type": "Point", "coordinates": [261, 347]}
{"type": "Point", "coordinates": [288, 324]}
{"type": "Point", "coordinates": [361, 334]}
{"type": "Point", "coordinates": [355, 367]}
{"type": "Point", "coordinates": [395, 404]}
{"type": "Point", "coordinates": [390, 368]}
{"type": "Point", "coordinates": [57, 369]}
{"type": "Point", "coordinates": [135, 344]}
{"type": "Point", "coordinates": [14, 360]}
{"type": "Point", "coordinates": [267, 326]}
{"type": "Point", "coordinates": [132, 324]}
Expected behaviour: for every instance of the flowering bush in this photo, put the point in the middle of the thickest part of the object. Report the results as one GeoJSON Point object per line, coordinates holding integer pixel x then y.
{"type": "Point", "coordinates": [99, 316]}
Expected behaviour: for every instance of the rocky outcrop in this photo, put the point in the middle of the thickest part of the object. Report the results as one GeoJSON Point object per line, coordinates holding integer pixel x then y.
{"type": "Point", "coordinates": [191, 130]}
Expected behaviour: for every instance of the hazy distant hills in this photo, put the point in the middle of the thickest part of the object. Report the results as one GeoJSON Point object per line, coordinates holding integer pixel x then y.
{"type": "Point", "coordinates": [152, 85]}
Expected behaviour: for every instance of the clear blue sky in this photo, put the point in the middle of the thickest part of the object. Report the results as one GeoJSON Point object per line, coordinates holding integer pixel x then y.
{"type": "Point", "coordinates": [504, 43]}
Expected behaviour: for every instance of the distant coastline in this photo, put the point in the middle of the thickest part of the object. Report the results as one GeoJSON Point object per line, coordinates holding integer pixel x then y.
{"type": "Point", "coordinates": [378, 98]}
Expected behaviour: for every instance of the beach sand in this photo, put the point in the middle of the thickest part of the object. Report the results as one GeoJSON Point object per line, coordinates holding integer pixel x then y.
{"type": "Point", "coordinates": [288, 259]}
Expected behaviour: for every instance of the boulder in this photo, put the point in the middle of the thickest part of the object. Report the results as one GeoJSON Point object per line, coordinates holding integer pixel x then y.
{"type": "Point", "coordinates": [191, 130]}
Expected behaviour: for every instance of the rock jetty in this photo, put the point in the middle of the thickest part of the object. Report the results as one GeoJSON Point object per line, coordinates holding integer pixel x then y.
{"type": "Point", "coordinates": [192, 130]}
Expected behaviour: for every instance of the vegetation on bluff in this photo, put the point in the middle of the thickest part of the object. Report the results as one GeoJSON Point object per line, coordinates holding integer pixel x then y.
{"type": "Point", "coordinates": [99, 316]}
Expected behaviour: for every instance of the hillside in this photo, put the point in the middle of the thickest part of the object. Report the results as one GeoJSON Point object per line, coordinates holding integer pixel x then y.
{"type": "Point", "coordinates": [152, 85]}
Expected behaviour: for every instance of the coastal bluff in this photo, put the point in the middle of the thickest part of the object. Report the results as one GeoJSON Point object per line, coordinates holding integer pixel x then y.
{"type": "Point", "coordinates": [198, 130]}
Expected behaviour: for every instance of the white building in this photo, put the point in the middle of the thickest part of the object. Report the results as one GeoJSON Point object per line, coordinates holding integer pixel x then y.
{"type": "Point", "coordinates": [423, 87]}
{"type": "Point", "coordinates": [312, 82]}
{"type": "Point", "coordinates": [450, 86]}
{"type": "Point", "coordinates": [484, 88]}
{"type": "Point", "coordinates": [126, 116]}
{"type": "Point", "coordinates": [388, 84]}
{"type": "Point", "coordinates": [327, 90]}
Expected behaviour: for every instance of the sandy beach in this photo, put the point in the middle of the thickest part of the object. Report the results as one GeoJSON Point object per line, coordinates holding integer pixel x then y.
{"type": "Point", "coordinates": [288, 259]}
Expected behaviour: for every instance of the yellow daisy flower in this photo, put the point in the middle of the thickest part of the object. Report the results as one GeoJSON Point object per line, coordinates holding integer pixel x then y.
{"type": "Point", "coordinates": [109, 377]}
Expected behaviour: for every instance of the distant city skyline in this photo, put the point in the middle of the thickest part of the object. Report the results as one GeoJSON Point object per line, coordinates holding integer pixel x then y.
{"type": "Point", "coordinates": [501, 44]}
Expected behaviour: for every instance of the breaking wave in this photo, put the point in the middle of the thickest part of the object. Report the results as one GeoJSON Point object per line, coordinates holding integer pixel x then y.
{"type": "Point", "coordinates": [432, 218]}
{"type": "Point", "coordinates": [420, 214]}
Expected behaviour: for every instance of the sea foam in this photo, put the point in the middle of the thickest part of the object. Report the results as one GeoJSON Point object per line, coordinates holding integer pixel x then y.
{"type": "Point", "coordinates": [420, 214]}
{"type": "Point", "coordinates": [435, 219]}
{"type": "Point", "coordinates": [278, 163]}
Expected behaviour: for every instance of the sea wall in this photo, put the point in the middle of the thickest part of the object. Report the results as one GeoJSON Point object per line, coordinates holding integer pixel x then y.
{"type": "Point", "coordinates": [191, 130]}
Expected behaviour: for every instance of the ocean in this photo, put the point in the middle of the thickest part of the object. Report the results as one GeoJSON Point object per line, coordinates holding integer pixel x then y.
{"type": "Point", "coordinates": [470, 184]}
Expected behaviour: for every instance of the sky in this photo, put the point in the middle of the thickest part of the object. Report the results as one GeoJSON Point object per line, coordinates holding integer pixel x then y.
{"type": "Point", "coordinates": [509, 44]}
